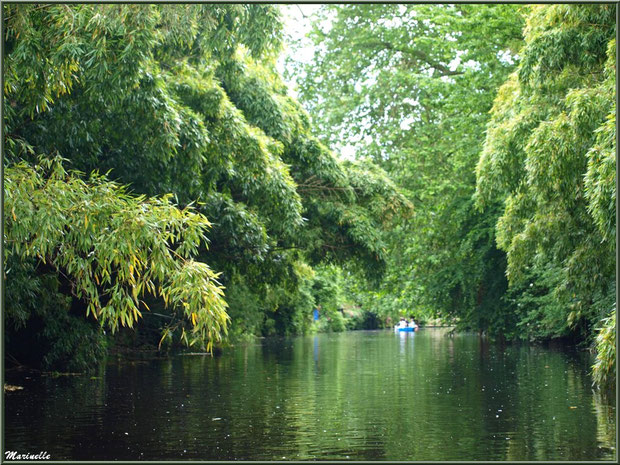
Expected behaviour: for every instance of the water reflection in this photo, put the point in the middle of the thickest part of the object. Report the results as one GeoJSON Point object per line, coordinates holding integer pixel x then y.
{"type": "Point", "coordinates": [405, 338]}
{"type": "Point", "coordinates": [357, 396]}
{"type": "Point", "coordinates": [315, 342]}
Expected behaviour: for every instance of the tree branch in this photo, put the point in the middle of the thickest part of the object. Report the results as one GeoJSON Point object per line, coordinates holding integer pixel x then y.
{"type": "Point", "coordinates": [419, 54]}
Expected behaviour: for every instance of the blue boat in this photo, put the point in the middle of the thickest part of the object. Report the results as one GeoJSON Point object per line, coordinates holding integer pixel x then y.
{"type": "Point", "coordinates": [408, 330]}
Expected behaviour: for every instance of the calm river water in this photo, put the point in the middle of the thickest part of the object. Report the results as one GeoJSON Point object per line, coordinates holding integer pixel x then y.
{"type": "Point", "coordinates": [364, 395]}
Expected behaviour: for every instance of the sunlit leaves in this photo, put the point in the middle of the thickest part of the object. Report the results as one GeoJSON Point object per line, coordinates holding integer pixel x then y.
{"type": "Point", "coordinates": [564, 36]}
{"type": "Point", "coordinates": [600, 178]}
{"type": "Point", "coordinates": [49, 46]}
{"type": "Point", "coordinates": [114, 248]}
{"type": "Point", "coordinates": [604, 369]}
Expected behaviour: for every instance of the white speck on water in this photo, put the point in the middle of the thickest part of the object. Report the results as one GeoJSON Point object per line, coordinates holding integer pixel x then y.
{"type": "Point", "coordinates": [126, 434]}
{"type": "Point", "coordinates": [215, 419]}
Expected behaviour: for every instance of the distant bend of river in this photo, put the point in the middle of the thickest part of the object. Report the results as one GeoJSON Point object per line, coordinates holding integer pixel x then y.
{"type": "Point", "coordinates": [363, 395]}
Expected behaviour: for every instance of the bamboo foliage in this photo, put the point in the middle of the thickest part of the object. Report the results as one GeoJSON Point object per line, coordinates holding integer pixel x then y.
{"type": "Point", "coordinates": [114, 248]}
{"type": "Point", "coordinates": [171, 102]}
{"type": "Point", "coordinates": [550, 154]}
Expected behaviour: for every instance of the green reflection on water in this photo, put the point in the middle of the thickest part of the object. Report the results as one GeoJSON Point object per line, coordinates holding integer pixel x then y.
{"type": "Point", "coordinates": [359, 396]}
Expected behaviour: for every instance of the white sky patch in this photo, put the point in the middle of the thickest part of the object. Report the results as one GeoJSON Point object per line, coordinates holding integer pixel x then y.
{"type": "Point", "coordinates": [297, 25]}
{"type": "Point", "coordinates": [472, 64]}
{"type": "Point", "coordinates": [391, 22]}
{"type": "Point", "coordinates": [405, 124]}
{"type": "Point", "coordinates": [506, 57]}
{"type": "Point", "coordinates": [347, 153]}
{"type": "Point", "coordinates": [454, 64]}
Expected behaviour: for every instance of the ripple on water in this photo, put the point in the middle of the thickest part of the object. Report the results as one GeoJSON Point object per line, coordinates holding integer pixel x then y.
{"type": "Point", "coordinates": [353, 396]}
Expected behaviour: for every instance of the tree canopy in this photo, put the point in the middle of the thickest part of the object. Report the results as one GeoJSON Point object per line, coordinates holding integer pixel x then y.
{"type": "Point", "coordinates": [212, 176]}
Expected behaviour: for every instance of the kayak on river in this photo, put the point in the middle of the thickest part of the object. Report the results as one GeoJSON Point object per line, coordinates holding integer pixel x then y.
{"type": "Point", "coordinates": [408, 330]}
{"type": "Point", "coordinates": [405, 325]}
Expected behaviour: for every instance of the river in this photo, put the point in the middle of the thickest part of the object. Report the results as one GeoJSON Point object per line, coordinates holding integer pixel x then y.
{"type": "Point", "coordinates": [363, 395]}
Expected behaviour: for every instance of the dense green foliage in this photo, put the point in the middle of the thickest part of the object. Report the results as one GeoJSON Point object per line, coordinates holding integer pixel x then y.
{"type": "Point", "coordinates": [412, 91]}
{"type": "Point", "coordinates": [183, 103]}
{"type": "Point", "coordinates": [114, 246]}
{"type": "Point", "coordinates": [223, 209]}
{"type": "Point", "coordinates": [550, 156]}
{"type": "Point", "coordinates": [514, 230]}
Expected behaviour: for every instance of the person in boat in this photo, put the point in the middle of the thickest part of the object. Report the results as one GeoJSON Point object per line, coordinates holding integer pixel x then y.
{"type": "Point", "coordinates": [412, 323]}
{"type": "Point", "coordinates": [402, 323]}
